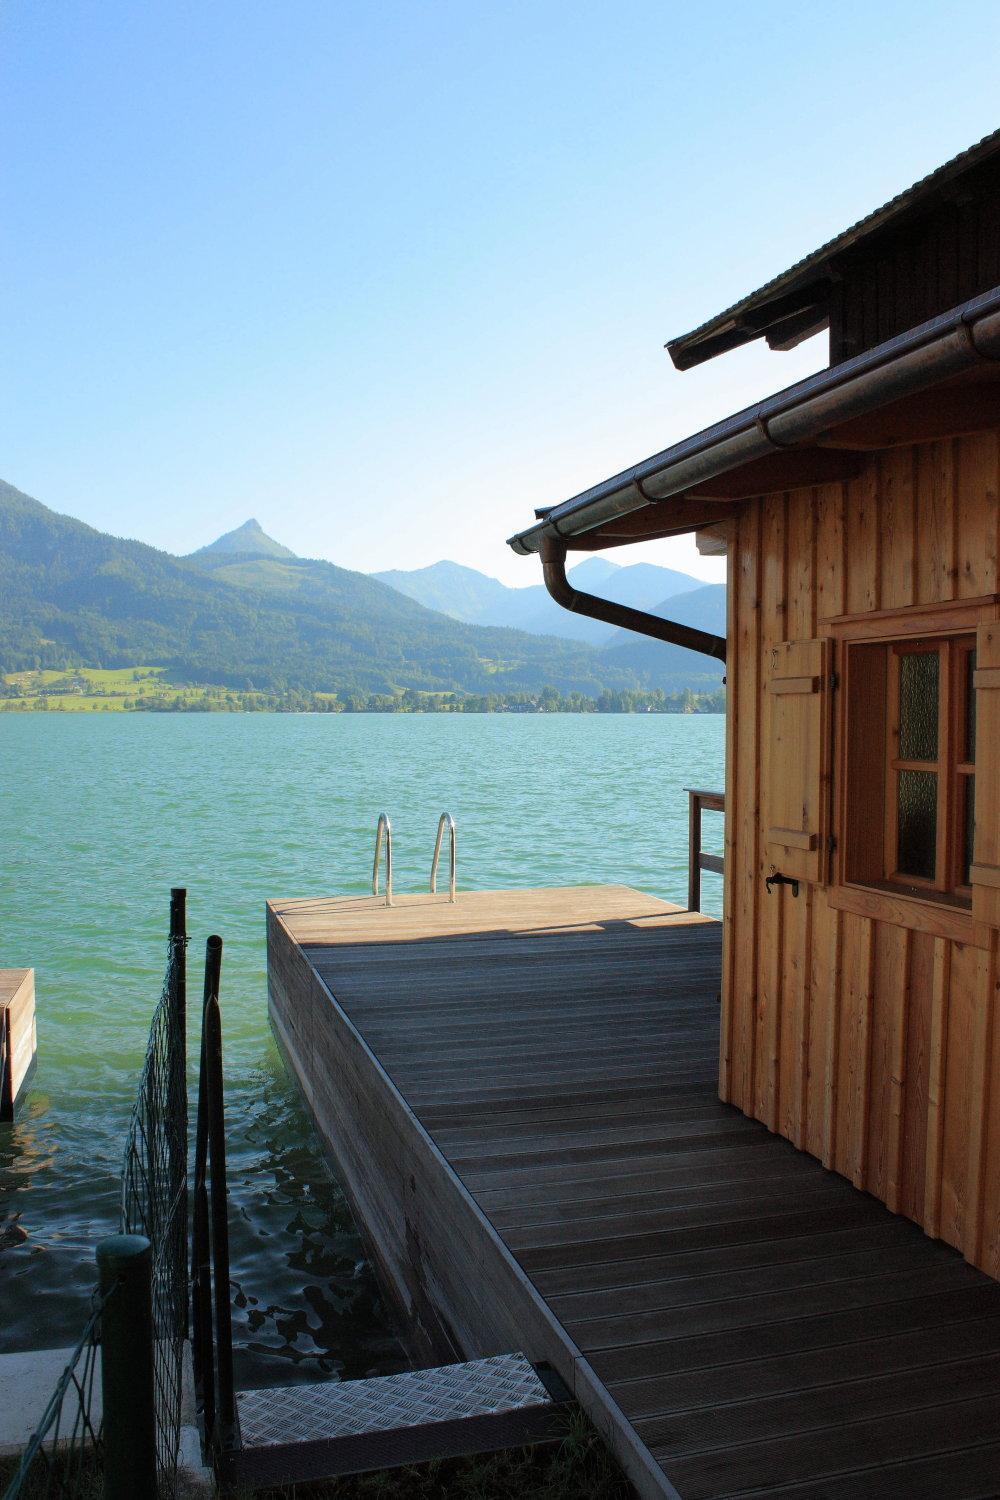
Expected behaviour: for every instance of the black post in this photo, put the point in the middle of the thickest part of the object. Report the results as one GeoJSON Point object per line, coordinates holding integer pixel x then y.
{"type": "Point", "coordinates": [226, 1414]}
{"type": "Point", "coordinates": [178, 1079]}
{"type": "Point", "coordinates": [201, 1274]}
{"type": "Point", "coordinates": [178, 953]}
{"type": "Point", "coordinates": [6, 1066]}
{"type": "Point", "coordinates": [125, 1263]}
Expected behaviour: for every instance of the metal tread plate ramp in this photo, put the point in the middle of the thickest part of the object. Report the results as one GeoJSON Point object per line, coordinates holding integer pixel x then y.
{"type": "Point", "coordinates": [306, 1432]}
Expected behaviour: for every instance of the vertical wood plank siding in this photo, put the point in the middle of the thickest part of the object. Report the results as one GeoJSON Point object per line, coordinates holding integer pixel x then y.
{"type": "Point", "coordinates": [873, 1047]}
{"type": "Point", "coordinates": [906, 278]}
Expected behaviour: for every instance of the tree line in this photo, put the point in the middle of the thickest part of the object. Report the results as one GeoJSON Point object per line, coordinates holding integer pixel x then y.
{"type": "Point", "coordinates": [230, 700]}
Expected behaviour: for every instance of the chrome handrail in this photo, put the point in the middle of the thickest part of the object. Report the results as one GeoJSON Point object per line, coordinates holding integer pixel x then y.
{"type": "Point", "coordinates": [445, 820]}
{"type": "Point", "coordinates": [384, 828]}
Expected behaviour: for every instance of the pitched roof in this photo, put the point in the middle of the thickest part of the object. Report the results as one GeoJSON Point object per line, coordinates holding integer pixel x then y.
{"type": "Point", "coordinates": [795, 304]}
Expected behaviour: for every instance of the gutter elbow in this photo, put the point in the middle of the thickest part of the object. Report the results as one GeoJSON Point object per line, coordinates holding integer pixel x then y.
{"type": "Point", "coordinates": [553, 555]}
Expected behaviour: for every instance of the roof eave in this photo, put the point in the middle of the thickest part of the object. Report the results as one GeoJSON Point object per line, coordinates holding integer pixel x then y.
{"type": "Point", "coordinates": [742, 322]}
{"type": "Point", "coordinates": [923, 356]}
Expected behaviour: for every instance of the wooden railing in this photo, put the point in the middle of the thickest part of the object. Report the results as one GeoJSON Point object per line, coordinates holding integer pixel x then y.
{"type": "Point", "coordinates": [700, 801]}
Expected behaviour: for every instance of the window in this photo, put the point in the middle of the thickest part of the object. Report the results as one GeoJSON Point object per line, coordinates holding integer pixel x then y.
{"type": "Point", "coordinates": [910, 776]}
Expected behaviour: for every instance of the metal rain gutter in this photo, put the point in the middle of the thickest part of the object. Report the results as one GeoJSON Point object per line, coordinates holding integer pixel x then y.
{"type": "Point", "coordinates": [946, 345]}
{"type": "Point", "coordinates": [553, 552]}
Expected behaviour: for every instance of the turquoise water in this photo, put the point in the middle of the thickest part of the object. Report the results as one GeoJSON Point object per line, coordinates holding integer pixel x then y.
{"type": "Point", "coordinates": [103, 814]}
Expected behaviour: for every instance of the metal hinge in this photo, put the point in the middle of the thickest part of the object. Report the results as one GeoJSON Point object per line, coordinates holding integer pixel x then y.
{"type": "Point", "coordinates": [834, 681]}
{"type": "Point", "coordinates": [831, 842]}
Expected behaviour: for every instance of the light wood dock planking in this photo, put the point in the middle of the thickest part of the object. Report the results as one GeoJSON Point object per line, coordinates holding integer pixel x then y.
{"type": "Point", "coordinates": [519, 1092]}
{"type": "Point", "coordinates": [18, 1040]}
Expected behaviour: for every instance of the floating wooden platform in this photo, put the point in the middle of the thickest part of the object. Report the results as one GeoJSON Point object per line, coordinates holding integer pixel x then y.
{"type": "Point", "coordinates": [17, 1035]}
{"type": "Point", "coordinates": [519, 1094]}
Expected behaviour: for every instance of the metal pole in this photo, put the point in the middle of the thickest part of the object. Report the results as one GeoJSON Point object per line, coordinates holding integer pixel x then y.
{"type": "Point", "coordinates": [202, 1351]}
{"type": "Point", "coordinates": [383, 827]}
{"type": "Point", "coordinates": [124, 1263]}
{"type": "Point", "coordinates": [226, 1416]}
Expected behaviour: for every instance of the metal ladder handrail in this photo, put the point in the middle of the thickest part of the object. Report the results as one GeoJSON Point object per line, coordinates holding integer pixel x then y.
{"type": "Point", "coordinates": [383, 828]}
{"type": "Point", "coordinates": [445, 821]}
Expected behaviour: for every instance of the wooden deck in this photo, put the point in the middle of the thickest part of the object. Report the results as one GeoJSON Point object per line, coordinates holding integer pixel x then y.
{"type": "Point", "coordinates": [519, 1092]}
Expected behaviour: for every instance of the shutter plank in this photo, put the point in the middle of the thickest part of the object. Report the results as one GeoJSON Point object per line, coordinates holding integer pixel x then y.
{"type": "Point", "coordinates": [798, 791]}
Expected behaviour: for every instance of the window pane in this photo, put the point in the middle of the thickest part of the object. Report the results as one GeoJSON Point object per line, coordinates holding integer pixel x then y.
{"type": "Point", "coordinates": [916, 853]}
{"type": "Point", "coordinates": [918, 705]}
{"type": "Point", "coordinates": [970, 708]}
{"type": "Point", "coordinates": [969, 783]}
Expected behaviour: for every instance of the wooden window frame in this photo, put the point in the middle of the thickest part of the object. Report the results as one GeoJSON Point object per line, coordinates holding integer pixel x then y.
{"type": "Point", "coordinates": [961, 770]}
{"type": "Point", "coordinates": [934, 909]}
{"type": "Point", "coordinates": [952, 653]}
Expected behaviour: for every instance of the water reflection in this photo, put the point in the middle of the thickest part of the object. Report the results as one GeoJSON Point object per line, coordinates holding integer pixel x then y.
{"type": "Point", "coordinates": [305, 1301]}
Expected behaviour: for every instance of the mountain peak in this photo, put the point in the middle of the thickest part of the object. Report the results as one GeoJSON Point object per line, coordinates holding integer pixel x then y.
{"type": "Point", "coordinates": [248, 540]}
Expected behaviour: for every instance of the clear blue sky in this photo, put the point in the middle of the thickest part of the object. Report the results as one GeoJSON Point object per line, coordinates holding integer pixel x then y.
{"type": "Point", "coordinates": [387, 275]}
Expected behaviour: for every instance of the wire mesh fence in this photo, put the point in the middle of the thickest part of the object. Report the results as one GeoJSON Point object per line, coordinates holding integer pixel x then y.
{"type": "Point", "coordinates": [64, 1458]}
{"type": "Point", "coordinates": [154, 1195]}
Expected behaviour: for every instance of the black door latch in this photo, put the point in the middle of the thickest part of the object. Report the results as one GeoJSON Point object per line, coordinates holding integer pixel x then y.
{"type": "Point", "coordinates": [778, 879]}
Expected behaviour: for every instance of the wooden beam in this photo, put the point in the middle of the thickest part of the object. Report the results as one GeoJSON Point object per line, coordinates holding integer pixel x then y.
{"type": "Point", "coordinates": [922, 418]}
{"type": "Point", "coordinates": [814, 299]}
{"type": "Point", "coordinates": [673, 517]}
{"type": "Point", "coordinates": [791, 332]}
{"type": "Point", "coordinates": [792, 469]}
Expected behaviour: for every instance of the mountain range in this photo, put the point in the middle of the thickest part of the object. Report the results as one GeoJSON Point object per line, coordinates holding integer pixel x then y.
{"type": "Point", "coordinates": [246, 611]}
{"type": "Point", "coordinates": [478, 599]}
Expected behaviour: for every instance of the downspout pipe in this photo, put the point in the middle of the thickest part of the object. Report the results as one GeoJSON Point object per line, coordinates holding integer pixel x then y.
{"type": "Point", "coordinates": [553, 554]}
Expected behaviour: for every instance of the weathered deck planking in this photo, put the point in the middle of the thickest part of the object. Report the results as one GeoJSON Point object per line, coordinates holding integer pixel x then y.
{"type": "Point", "coordinates": [519, 1091]}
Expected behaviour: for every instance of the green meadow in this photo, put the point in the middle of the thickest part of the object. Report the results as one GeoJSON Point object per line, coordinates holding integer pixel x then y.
{"type": "Point", "coordinates": [111, 690]}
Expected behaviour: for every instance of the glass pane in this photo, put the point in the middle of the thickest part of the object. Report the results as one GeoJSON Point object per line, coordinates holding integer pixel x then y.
{"type": "Point", "coordinates": [918, 705]}
{"type": "Point", "coordinates": [917, 842]}
{"type": "Point", "coordinates": [970, 708]}
{"type": "Point", "coordinates": [970, 826]}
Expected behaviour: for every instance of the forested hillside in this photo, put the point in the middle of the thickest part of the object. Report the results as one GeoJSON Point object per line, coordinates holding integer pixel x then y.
{"type": "Point", "coordinates": [73, 596]}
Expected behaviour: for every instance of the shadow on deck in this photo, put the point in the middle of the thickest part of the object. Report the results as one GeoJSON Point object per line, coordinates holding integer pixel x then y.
{"type": "Point", "coordinates": [519, 1093]}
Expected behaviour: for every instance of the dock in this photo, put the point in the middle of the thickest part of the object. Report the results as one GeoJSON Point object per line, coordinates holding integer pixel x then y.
{"type": "Point", "coordinates": [18, 1040]}
{"type": "Point", "coordinates": [519, 1093]}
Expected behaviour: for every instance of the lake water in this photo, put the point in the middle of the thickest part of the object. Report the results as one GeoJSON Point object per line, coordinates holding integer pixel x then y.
{"type": "Point", "coordinates": [103, 813]}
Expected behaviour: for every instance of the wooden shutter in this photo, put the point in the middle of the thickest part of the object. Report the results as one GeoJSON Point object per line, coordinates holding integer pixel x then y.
{"type": "Point", "coordinates": [986, 849]}
{"type": "Point", "coordinates": [797, 790]}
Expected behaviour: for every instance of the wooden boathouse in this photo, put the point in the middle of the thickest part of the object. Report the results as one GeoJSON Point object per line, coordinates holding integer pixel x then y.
{"type": "Point", "coordinates": [759, 1240]}
{"type": "Point", "coordinates": [859, 513]}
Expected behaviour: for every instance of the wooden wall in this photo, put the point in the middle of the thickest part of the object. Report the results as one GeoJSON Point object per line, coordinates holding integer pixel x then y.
{"type": "Point", "coordinates": [896, 281]}
{"type": "Point", "coordinates": [873, 1046]}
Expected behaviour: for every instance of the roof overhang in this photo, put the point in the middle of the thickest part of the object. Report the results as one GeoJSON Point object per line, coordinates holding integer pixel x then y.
{"type": "Point", "coordinates": [938, 380]}
{"type": "Point", "coordinates": [796, 304]}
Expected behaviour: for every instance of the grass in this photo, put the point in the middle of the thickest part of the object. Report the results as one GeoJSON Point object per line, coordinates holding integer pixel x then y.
{"type": "Point", "coordinates": [104, 690]}
{"type": "Point", "coordinates": [577, 1468]}
{"type": "Point", "coordinates": [83, 1478]}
